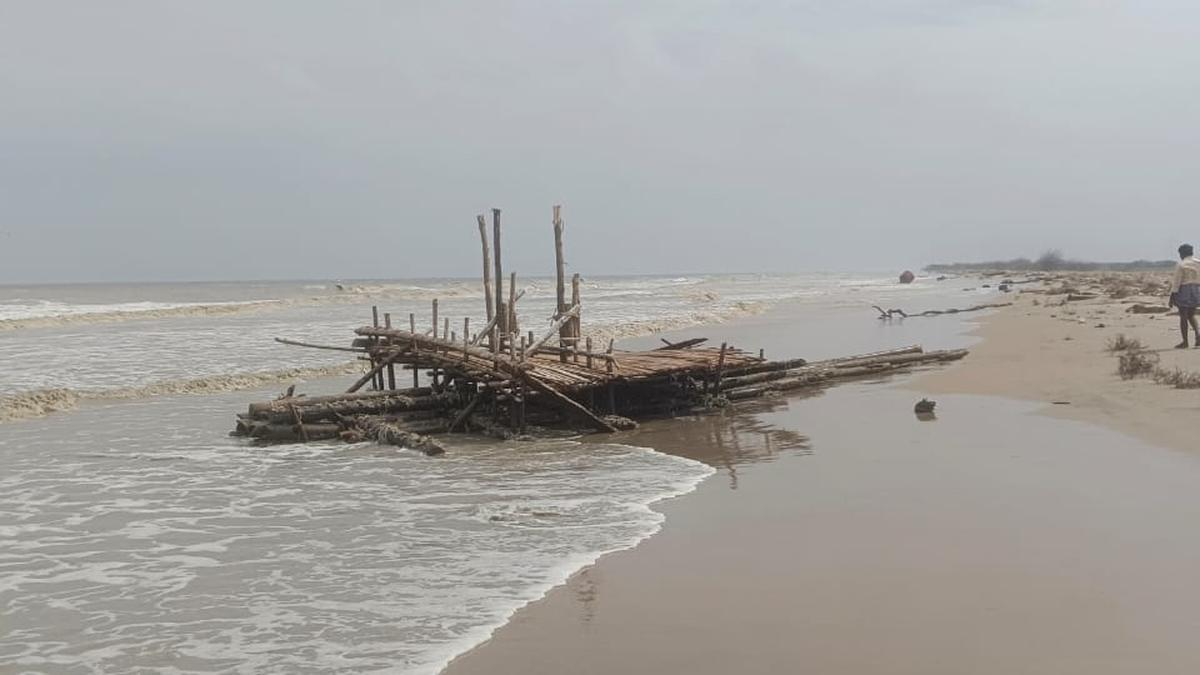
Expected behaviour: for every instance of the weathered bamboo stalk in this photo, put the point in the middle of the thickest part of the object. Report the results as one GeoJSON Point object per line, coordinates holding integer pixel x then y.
{"type": "Point", "coordinates": [499, 267]}
{"type": "Point", "coordinates": [560, 277]}
{"type": "Point", "coordinates": [487, 266]}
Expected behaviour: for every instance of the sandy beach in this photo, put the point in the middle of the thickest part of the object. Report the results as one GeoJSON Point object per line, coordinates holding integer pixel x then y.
{"type": "Point", "coordinates": [1039, 525]}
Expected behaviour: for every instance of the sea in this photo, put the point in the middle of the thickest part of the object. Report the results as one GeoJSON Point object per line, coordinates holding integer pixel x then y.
{"type": "Point", "coordinates": [136, 535]}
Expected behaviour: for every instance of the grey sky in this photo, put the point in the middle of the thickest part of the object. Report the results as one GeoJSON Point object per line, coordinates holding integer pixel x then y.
{"type": "Point", "coordinates": [216, 140]}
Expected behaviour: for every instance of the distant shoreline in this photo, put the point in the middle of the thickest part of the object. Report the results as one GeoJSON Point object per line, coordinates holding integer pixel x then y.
{"type": "Point", "coordinates": [1022, 265]}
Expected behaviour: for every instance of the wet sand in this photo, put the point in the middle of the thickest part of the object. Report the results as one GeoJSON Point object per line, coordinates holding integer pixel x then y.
{"type": "Point", "coordinates": [996, 539]}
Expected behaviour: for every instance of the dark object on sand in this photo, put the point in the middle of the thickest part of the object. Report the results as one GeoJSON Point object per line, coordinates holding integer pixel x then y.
{"type": "Point", "coordinates": [924, 406]}
{"type": "Point", "coordinates": [1005, 288]}
{"type": "Point", "coordinates": [941, 278]}
{"type": "Point", "coordinates": [907, 277]}
{"type": "Point", "coordinates": [1139, 308]}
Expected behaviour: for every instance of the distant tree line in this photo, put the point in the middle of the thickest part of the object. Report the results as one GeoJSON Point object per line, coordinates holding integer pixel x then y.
{"type": "Point", "coordinates": [1051, 261]}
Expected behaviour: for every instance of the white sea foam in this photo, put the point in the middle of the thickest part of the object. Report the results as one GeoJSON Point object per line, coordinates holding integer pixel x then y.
{"type": "Point", "coordinates": [300, 559]}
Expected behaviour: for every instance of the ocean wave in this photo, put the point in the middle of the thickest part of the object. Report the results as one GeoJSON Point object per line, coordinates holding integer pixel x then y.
{"type": "Point", "coordinates": [42, 402]}
{"type": "Point", "coordinates": [706, 317]}
{"type": "Point", "coordinates": [68, 315]}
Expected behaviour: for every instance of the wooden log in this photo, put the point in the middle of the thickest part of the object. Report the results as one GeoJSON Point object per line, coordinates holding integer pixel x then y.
{"type": "Point", "coordinates": [292, 433]}
{"type": "Point", "coordinates": [280, 403]}
{"type": "Point", "coordinates": [487, 266]}
{"type": "Point", "coordinates": [388, 433]}
{"type": "Point", "coordinates": [589, 352]}
{"type": "Point", "coordinates": [330, 410]}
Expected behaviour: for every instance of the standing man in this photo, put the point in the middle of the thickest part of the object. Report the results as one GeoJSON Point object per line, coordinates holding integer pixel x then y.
{"type": "Point", "coordinates": [1185, 294]}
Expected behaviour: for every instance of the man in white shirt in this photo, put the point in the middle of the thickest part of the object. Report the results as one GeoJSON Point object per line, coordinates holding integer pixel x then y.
{"type": "Point", "coordinates": [1185, 294]}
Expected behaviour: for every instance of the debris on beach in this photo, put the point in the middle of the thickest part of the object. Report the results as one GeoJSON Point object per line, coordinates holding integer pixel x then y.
{"type": "Point", "coordinates": [924, 406]}
{"type": "Point", "coordinates": [503, 382]}
{"type": "Point", "coordinates": [907, 277]}
{"type": "Point", "coordinates": [892, 313]}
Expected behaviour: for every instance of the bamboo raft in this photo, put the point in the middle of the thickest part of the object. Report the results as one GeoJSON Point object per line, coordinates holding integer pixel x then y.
{"type": "Point", "coordinates": [503, 383]}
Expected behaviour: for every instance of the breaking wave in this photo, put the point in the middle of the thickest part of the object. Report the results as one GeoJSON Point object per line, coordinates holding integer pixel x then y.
{"type": "Point", "coordinates": [642, 327]}
{"type": "Point", "coordinates": [42, 402]}
{"type": "Point", "coordinates": [68, 315]}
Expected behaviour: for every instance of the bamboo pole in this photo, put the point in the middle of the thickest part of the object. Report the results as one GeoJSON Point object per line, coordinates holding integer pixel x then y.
{"type": "Point", "coordinates": [499, 268]}
{"type": "Point", "coordinates": [560, 276]}
{"type": "Point", "coordinates": [576, 328]}
{"type": "Point", "coordinates": [487, 266]}
{"type": "Point", "coordinates": [391, 369]}
{"type": "Point", "coordinates": [412, 329]}
{"type": "Point", "coordinates": [436, 384]}
{"type": "Point", "coordinates": [512, 305]}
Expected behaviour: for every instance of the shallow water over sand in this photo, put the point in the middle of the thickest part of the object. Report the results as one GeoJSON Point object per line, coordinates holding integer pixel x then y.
{"type": "Point", "coordinates": [138, 537]}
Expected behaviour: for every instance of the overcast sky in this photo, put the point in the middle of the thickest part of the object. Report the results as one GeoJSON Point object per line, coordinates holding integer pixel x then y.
{"type": "Point", "coordinates": [164, 140]}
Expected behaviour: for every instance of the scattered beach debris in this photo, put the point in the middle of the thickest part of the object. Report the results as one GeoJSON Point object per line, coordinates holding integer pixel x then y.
{"type": "Point", "coordinates": [924, 406]}
{"type": "Point", "coordinates": [907, 277]}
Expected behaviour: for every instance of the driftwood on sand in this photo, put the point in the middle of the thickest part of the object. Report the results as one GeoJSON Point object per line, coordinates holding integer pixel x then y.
{"type": "Point", "coordinates": [892, 313]}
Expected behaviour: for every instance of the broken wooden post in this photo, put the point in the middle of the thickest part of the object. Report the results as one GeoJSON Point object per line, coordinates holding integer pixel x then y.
{"type": "Point", "coordinates": [466, 335]}
{"type": "Point", "coordinates": [589, 353]}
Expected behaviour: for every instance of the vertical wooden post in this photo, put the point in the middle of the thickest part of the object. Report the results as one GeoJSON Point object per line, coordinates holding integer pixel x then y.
{"type": "Point", "coordinates": [575, 322]}
{"type": "Point", "coordinates": [720, 369]}
{"type": "Point", "coordinates": [499, 270]}
{"type": "Point", "coordinates": [466, 335]}
{"type": "Point", "coordinates": [608, 362]}
{"type": "Point", "coordinates": [560, 286]}
{"type": "Point", "coordinates": [589, 353]}
{"type": "Point", "coordinates": [446, 329]}
{"type": "Point", "coordinates": [512, 305]}
{"type": "Point", "coordinates": [391, 369]}
{"type": "Point", "coordinates": [412, 328]}
{"type": "Point", "coordinates": [487, 266]}
{"type": "Point", "coordinates": [377, 378]}
{"type": "Point", "coordinates": [436, 382]}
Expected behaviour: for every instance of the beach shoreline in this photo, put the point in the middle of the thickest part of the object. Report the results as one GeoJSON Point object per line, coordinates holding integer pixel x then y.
{"type": "Point", "coordinates": [997, 541]}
